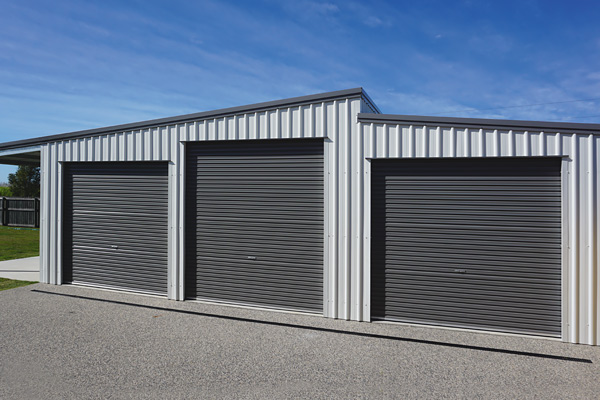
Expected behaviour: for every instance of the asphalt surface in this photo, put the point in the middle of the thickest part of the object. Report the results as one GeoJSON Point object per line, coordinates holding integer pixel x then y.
{"type": "Point", "coordinates": [67, 342]}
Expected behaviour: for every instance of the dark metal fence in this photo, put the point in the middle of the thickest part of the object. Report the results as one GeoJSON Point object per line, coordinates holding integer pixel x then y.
{"type": "Point", "coordinates": [20, 211]}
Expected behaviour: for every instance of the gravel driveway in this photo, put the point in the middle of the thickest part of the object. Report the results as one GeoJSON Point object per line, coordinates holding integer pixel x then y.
{"type": "Point", "coordinates": [67, 342]}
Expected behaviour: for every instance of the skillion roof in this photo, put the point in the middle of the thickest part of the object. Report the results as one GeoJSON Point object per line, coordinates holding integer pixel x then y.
{"type": "Point", "coordinates": [294, 101]}
{"type": "Point", "coordinates": [568, 127]}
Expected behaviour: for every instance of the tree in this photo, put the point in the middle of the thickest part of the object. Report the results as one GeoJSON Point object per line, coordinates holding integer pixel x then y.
{"type": "Point", "coordinates": [25, 182]}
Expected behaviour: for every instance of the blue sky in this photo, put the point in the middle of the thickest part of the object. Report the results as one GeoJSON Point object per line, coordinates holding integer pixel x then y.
{"type": "Point", "coordinates": [72, 65]}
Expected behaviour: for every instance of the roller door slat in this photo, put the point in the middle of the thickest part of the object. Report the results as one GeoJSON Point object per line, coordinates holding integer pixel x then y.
{"type": "Point", "coordinates": [116, 225]}
{"type": "Point", "coordinates": [255, 230]}
{"type": "Point", "coordinates": [468, 243]}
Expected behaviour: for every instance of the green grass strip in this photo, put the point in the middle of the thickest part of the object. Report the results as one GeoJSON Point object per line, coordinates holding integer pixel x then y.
{"type": "Point", "coordinates": [18, 243]}
{"type": "Point", "coordinates": [6, 284]}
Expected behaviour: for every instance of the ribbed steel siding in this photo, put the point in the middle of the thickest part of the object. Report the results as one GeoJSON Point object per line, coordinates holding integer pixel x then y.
{"type": "Point", "coordinates": [116, 225]}
{"type": "Point", "coordinates": [255, 223]}
{"type": "Point", "coordinates": [468, 243]}
{"type": "Point", "coordinates": [165, 143]}
{"type": "Point", "coordinates": [347, 145]}
{"type": "Point", "coordinates": [580, 183]}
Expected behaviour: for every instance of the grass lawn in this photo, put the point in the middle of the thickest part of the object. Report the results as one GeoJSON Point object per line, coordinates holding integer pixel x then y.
{"type": "Point", "coordinates": [6, 284]}
{"type": "Point", "coordinates": [19, 243]}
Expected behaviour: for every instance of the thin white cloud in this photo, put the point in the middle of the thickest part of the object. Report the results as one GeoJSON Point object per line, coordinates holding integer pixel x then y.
{"type": "Point", "coordinates": [373, 22]}
{"type": "Point", "coordinates": [491, 43]}
{"type": "Point", "coordinates": [322, 8]}
{"type": "Point", "coordinates": [306, 10]}
{"type": "Point", "coordinates": [122, 63]}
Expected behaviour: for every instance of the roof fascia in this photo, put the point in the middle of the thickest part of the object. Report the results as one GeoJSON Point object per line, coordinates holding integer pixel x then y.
{"type": "Point", "coordinates": [570, 127]}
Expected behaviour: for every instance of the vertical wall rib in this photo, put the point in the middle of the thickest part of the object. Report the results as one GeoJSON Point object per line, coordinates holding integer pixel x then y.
{"type": "Point", "coordinates": [581, 284]}
{"type": "Point", "coordinates": [334, 120]}
{"type": "Point", "coordinates": [348, 146]}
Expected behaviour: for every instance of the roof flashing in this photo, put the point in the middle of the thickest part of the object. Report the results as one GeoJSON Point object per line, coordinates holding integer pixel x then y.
{"type": "Point", "coordinates": [567, 127]}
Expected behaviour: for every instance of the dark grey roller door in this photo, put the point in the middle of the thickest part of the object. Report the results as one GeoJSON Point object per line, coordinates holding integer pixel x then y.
{"type": "Point", "coordinates": [116, 225]}
{"type": "Point", "coordinates": [468, 243]}
{"type": "Point", "coordinates": [255, 223]}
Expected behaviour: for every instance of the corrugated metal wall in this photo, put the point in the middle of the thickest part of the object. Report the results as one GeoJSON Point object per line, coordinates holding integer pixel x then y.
{"type": "Point", "coordinates": [581, 222]}
{"type": "Point", "coordinates": [347, 190]}
{"type": "Point", "coordinates": [334, 120]}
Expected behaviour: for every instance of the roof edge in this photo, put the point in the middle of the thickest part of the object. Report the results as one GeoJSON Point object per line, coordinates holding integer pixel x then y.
{"type": "Point", "coordinates": [19, 150]}
{"type": "Point", "coordinates": [223, 112]}
{"type": "Point", "coordinates": [480, 122]}
{"type": "Point", "coordinates": [372, 104]}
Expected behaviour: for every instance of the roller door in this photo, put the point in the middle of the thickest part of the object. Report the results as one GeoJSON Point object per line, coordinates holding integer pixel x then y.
{"type": "Point", "coordinates": [255, 223]}
{"type": "Point", "coordinates": [472, 243]}
{"type": "Point", "coordinates": [116, 225]}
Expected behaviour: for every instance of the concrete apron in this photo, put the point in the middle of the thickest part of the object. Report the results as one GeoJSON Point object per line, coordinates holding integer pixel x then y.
{"type": "Point", "coordinates": [23, 269]}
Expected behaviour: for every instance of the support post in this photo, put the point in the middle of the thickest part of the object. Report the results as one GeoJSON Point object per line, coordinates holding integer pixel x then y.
{"type": "Point", "coordinates": [37, 212]}
{"type": "Point", "coordinates": [4, 204]}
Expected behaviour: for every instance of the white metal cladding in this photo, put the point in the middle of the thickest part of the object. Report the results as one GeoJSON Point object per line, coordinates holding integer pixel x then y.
{"type": "Point", "coordinates": [334, 120]}
{"type": "Point", "coordinates": [348, 145]}
{"type": "Point", "coordinates": [580, 182]}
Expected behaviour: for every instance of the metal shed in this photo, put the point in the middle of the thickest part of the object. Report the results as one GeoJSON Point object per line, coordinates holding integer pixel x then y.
{"type": "Point", "coordinates": [322, 204]}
